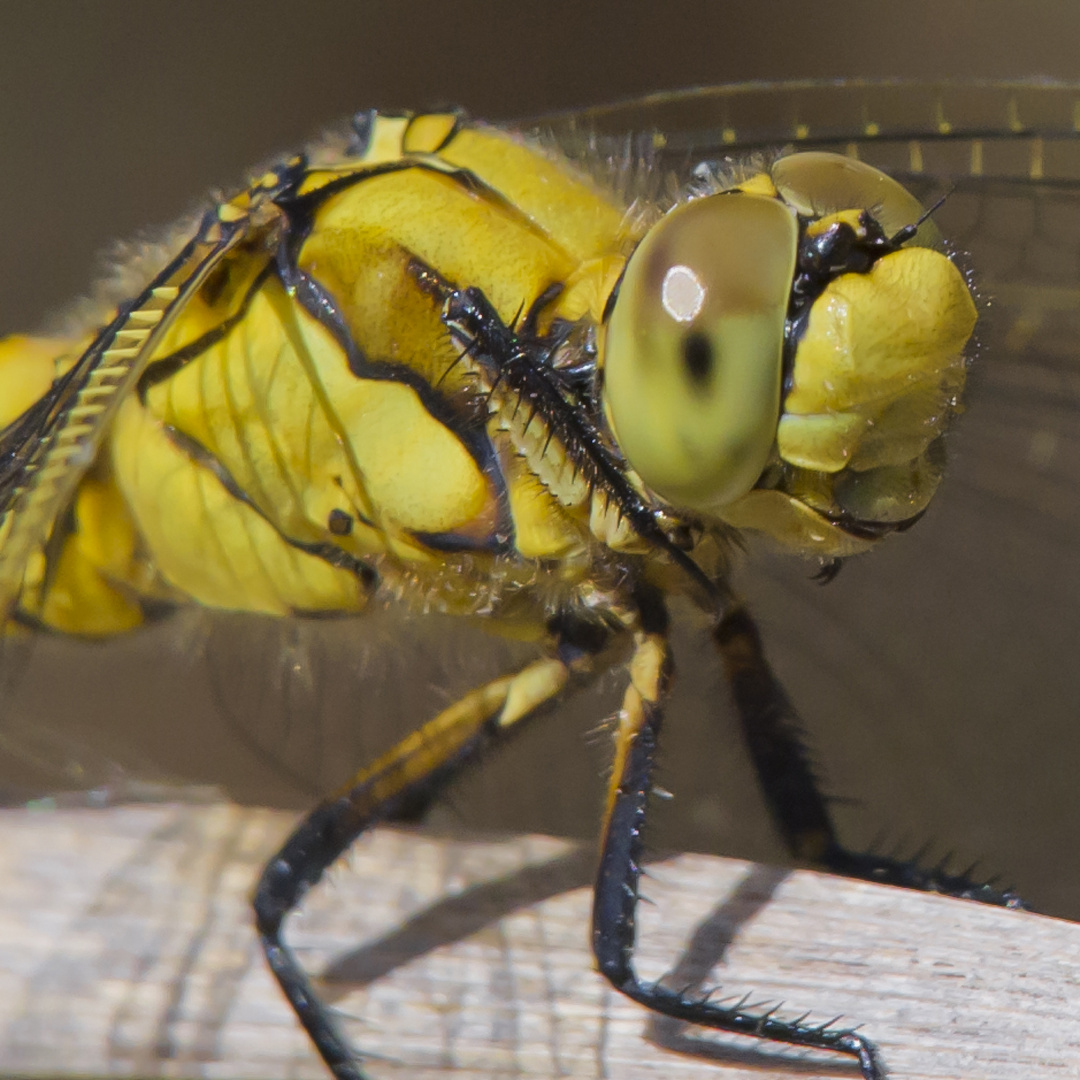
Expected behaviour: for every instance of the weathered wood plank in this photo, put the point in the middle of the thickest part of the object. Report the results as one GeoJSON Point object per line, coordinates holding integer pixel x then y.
{"type": "Point", "coordinates": [126, 950]}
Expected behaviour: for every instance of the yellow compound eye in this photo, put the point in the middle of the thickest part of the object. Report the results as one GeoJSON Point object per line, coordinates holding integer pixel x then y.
{"type": "Point", "coordinates": [692, 353]}
{"type": "Point", "coordinates": [818, 184]}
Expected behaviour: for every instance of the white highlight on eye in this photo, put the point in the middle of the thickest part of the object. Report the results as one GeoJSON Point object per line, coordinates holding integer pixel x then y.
{"type": "Point", "coordinates": [682, 294]}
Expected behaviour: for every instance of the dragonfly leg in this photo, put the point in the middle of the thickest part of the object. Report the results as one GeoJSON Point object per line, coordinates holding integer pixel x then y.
{"type": "Point", "coordinates": [616, 895]}
{"type": "Point", "coordinates": [775, 737]}
{"type": "Point", "coordinates": [406, 777]}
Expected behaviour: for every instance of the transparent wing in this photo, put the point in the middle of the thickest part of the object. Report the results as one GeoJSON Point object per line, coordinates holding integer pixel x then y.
{"type": "Point", "coordinates": [852, 114]}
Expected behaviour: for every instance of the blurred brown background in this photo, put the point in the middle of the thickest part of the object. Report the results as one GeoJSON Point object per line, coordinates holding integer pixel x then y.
{"type": "Point", "coordinates": [116, 116]}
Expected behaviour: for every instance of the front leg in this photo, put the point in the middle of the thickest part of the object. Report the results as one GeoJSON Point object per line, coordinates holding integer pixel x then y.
{"type": "Point", "coordinates": [616, 894]}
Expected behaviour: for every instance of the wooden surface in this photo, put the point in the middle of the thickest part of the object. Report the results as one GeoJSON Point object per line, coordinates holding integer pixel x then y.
{"type": "Point", "coordinates": [126, 950]}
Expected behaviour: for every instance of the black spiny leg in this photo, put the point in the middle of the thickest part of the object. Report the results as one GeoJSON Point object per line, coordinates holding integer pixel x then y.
{"type": "Point", "coordinates": [775, 739]}
{"type": "Point", "coordinates": [409, 775]}
{"type": "Point", "coordinates": [616, 896]}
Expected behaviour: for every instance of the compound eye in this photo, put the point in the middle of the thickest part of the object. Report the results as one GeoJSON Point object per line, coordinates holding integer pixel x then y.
{"type": "Point", "coordinates": [817, 184]}
{"type": "Point", "coordinates": [692, 350]}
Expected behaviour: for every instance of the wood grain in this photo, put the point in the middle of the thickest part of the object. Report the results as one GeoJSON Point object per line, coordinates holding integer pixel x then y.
{"type": "Point", "coordinates": [126, 950]}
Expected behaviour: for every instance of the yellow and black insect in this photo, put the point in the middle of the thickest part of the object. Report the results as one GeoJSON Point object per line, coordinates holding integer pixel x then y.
{"type": "Point", "coordinates": [517, 379]}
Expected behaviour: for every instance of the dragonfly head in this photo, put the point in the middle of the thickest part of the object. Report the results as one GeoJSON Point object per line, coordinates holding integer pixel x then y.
{"type": "Point", "coordinates": [785, 354]}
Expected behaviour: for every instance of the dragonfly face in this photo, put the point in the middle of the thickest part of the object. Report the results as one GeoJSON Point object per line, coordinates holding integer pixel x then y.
{"type": "Point", "coordinates": [434, 363]}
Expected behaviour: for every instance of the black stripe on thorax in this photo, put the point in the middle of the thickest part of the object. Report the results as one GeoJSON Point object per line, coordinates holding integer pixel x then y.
{"type": "Point", "coordinates": [470, 430]}
{"type": "Point", "coordinates": [301, 209]}
{"type": "Point", "coordinates": [162, 370]}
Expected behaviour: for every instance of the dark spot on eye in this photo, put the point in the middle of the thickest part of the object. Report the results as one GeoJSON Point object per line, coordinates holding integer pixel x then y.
{"type": "Point", "coordinates": [340, 523]}
{"type": "Point", "coordinates": [698, 358]}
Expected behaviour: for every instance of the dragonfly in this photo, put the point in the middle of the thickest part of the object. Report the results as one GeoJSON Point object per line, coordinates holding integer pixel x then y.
{"type": "Point", "coordinates": [533, 480]}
